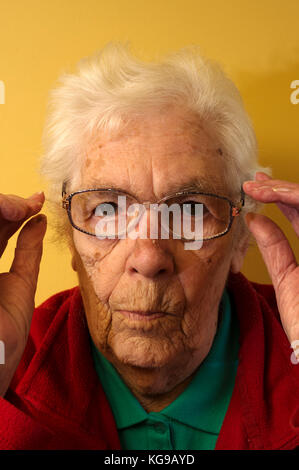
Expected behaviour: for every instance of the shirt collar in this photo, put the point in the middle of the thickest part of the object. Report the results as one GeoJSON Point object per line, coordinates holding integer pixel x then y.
{"type": "Point", "coordinates": [204, 402]}
{"type": "Point", "coordinates": [126, 408]}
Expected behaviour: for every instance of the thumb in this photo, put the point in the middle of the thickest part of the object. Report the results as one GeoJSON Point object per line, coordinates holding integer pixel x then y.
{"type": "Point", "coordinates": [28, 251]}
{"type": "Point", "coordinates": [273, 245]}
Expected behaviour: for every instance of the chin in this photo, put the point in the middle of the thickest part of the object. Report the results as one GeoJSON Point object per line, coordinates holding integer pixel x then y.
{"type": "Point", "coordinates": [144, 353]}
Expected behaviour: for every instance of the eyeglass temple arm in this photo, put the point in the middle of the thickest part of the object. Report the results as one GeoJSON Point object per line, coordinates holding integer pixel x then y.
{"type": "Point", "coordinates": [63, 192]}
{"type": "Point", "coordinates": [242, 197]}
{"type": "Point", "coordinates": [63, 195]}
{"type": "Point", "coordinates": [236, 210]}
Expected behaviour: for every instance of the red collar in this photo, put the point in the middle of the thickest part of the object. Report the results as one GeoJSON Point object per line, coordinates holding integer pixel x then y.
{"type": "Point", "coordinates": [267, 383]}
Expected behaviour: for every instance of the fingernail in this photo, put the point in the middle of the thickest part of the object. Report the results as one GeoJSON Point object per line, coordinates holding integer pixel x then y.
{"type": "Point", "coordinates": [35, 194]}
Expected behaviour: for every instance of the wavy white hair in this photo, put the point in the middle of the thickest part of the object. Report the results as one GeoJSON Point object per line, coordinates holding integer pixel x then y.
{"type": "Point", "coordinates": [111, 86]}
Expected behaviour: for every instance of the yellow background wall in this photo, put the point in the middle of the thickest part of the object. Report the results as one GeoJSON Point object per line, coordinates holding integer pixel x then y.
{"type": "Point", "coordinates": [257, 42]}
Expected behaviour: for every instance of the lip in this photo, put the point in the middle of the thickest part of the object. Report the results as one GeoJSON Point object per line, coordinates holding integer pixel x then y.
{"type": "Point", "coordinates": [141, 315]}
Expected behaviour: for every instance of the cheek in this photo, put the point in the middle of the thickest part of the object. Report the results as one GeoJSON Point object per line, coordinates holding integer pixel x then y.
{"type": "Point", "coordinates": [207, 270]}
{"type": "Point", "coordinates": [203, 285]}
{"type": "Point", "coordinates": [95, 260]}
{"type": "Point", "coordinates": [94, 291]}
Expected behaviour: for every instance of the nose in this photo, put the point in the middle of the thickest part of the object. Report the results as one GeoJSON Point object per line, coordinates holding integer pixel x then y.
{"type": "Point", "coordinates": [150, 260]}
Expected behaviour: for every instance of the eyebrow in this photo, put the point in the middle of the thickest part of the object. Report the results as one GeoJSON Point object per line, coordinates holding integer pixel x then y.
{"type": "Point", "coordinates": [202, 184]}
{"type": "Point", "coordinates": [195, 184]}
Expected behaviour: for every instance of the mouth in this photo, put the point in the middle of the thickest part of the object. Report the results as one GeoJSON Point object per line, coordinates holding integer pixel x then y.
{"type": "Point", "coordinates": [141, 315]}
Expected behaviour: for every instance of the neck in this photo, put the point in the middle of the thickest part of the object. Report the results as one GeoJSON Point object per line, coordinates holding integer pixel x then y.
{"type": "Point", "coordinates": [155, 388]}
{"type": "Point", "coordinates": [159, 402]}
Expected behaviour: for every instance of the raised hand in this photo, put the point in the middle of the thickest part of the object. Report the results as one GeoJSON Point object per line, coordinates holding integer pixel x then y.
{"type": "Point", "coordinates": [275, 248]}
{"type": "Point", "coordinates": [18, 286]}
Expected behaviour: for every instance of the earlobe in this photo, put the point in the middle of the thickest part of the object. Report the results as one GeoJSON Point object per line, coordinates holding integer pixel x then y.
{"type": "Point", "coordinates": [73, 255]}
{"type": "Point", "coordinates": [239, 255]}
{"type": "Point", "coordinates": [74, 264]}
{"type": "Point", "coordinates": [236, 265]}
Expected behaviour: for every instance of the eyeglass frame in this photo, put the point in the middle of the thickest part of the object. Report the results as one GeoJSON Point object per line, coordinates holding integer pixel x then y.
{"type": "Point", "coordinates": [235, 210]}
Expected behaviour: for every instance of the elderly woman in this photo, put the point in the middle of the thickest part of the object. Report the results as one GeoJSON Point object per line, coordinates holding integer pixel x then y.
{"type": "Point", "coordinates": [164, 344]}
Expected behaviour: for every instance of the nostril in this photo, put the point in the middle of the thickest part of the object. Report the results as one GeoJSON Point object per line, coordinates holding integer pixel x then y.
{"type": "Point", "coordinates": [162, 271]}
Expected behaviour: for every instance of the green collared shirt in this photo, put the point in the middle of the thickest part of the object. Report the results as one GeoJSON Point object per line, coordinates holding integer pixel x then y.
{"type": "Point", "coordinates": [193, 420]}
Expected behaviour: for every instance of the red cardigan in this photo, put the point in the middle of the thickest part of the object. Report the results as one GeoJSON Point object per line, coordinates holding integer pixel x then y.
{"type": "Point", "coordinates": [56, 401]}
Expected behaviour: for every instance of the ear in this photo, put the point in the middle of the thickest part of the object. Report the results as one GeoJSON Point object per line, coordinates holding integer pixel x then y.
{"type": "Point", "coordinates": [73, 256]}
{"type": "Point", "coordinates": [239, 253]}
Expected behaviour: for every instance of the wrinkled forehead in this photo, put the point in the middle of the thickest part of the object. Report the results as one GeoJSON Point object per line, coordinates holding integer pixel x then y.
{"type": "Point", "coordinates": [157, 155]}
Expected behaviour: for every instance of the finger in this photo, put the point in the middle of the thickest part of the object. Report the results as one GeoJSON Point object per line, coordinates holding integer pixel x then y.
{"type": "Point", "coordinates": [273, 245]}
{"type": "Point", "coordinates": [291, 214]}
{"type": "Point", "coordinates": [14, 210]}
{"type": "Point", "coordinates": [289, 210]}
{"type": "Point", "coordinates": [273, 191]}
{"type": "Point", "coordinates": [28, 251]}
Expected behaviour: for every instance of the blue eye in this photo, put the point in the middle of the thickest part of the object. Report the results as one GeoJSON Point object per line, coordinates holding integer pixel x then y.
{"type": "Point", "coordinates": [105, 209]}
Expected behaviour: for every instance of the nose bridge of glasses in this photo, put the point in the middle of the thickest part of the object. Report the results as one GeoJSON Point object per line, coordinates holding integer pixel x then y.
{"type": "Point", "coordinates": [146, 216]}
{"type": "Point", "coordinates": [147, 204]}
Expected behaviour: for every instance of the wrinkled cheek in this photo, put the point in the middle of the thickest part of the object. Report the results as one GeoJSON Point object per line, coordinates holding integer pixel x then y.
{"type": "Point", "coordinates": [94, 293]}
{"type": "Point", "coordinates": [98, 315]}
{"type": "Point", "coordinates": [205, 275]}
{"type": "Point", "coordinates": [92, 270]}
{"type": "Point", "coordinates": [199, 326]}
{"type": "Point", "coordinates": [204, 295]}
{"type": "Point", "coordinates": [91, 258]}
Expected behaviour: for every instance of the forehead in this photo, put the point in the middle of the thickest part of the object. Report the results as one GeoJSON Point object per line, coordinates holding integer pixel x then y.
{"type": "Point", "coordinates": [157, 154]}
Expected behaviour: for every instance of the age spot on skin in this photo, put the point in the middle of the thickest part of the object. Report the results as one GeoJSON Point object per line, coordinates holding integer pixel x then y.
{"type": "Point", "coordinates": [220, 151]}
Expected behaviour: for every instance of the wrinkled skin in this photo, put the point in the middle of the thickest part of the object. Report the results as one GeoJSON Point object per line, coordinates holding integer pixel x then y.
{"type": "Point", "coordinates": [155, 357]}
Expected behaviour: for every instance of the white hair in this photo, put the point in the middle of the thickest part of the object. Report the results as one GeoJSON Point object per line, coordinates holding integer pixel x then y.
{"type": "Point", "coordinates": [113, 85]}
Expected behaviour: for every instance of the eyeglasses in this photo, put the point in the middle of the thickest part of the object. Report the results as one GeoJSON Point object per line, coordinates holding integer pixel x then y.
{"type": "Point", "coordinates": [113, 213]}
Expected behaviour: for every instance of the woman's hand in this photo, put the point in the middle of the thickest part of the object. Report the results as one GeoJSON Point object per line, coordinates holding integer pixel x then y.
{"type": "Point", "coordinates": [275, 248]}
{"type": "Point", "coordinates": [18, 286]}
